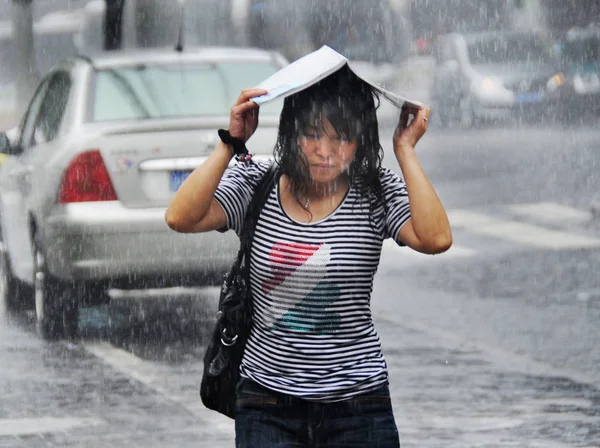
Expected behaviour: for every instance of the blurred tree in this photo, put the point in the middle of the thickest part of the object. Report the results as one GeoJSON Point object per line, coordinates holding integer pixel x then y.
{"type": "Point", "coordinates": [156, 22]}
{"type": "Point", "coordinates": [152, 23]}
{"type": "Point", "coordinates": [113, 24]}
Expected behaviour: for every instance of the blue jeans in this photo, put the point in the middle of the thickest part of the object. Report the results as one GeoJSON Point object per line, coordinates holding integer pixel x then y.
{"type": "Point", "coordinates": [269, 419]}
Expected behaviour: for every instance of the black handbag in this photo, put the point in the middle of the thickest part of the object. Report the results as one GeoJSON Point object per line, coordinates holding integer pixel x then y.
{"type": "Point", "coordinates": [234, 316]}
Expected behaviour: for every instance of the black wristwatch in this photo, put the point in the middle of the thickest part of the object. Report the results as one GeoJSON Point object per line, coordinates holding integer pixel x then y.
{"type": "Point", "coordinates": [239, 147]}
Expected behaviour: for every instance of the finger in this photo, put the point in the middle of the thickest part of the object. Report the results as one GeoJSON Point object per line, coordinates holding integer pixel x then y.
{"type": "Point", "coordinates": [422, 117]}
{"type": "Point", "coordinates": [240, 109]}
{"type": "Point", "coordinates": [411, 109]}
{"type": "Point", "coordinates": [404, 116]}
{"type": "Point", "coordinates": [247, 94]}
{"type": "Point", "coordinates": [423, 112]}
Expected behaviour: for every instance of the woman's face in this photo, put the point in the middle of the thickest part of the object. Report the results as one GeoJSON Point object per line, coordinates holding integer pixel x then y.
{"type": "Point", "coordinates": [328, 154]}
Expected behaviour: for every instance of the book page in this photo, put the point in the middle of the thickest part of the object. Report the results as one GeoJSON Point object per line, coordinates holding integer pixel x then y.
{"type": "Point", "coordinates": [312, 68]}
{"type": "Point", "coordinates": [301, 74]}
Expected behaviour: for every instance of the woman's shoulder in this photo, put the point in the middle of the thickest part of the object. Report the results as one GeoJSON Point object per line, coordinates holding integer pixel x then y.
{"type": "Point", "coordinates": [252, 172]}
{"type": "Point", "coordinates": [386, 175]}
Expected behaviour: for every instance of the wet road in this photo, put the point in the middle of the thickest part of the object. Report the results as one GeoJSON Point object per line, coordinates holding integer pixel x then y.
{"type": "Point", "coordinates": [523, 272]}
{"type": "Point", "coordinates": [491, 344]}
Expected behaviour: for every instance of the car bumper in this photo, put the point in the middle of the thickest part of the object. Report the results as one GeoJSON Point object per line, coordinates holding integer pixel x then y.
{"type": "Point", "coordinates": [488, 110]}
{"type": "Point", "coordinates": [577, 104]}
{"type": "Point", "coordinates": [106, 241]}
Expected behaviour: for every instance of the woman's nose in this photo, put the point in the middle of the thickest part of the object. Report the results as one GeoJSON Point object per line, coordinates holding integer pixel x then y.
{"type": "Point", "coordinates": [326, 148]}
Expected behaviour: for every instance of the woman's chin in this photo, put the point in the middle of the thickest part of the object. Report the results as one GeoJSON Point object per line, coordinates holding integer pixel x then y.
{"type": "Point", "coordinates": [323, 180]}
{"type": "Point", "coordinates": [324, 175]}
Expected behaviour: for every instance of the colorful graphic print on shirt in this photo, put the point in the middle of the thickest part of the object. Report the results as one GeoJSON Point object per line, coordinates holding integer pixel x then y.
{"type": "Point", "coordinates": [299, 287]}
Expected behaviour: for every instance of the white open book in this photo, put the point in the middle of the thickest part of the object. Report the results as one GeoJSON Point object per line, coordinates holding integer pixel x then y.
{"type": "Point", "coordinates": [312, 68]}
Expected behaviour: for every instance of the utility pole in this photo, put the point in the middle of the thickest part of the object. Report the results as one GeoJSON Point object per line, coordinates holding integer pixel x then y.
{"type": "Point", "coordinates": [22, 35]}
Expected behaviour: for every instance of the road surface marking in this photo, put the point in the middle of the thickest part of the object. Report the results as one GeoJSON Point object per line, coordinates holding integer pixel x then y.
{"type": "Point", "coordinates": [551, 213]}
{"type": "Point", "coordinates": [161, 293]}
{"type": "Point", "coordinates": [147, 373]}
{"type": "Point", "coordinates": [503, 359]}
{"type": "Point", "coordinates": [519, 232]}
{"type": "Point", "coordinates": [475, 423]}
{"type": "Point", "coordinates": [29, 426]}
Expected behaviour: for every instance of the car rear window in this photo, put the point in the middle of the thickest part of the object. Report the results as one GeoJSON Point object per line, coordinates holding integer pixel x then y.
{"type": "Point", "coordinates": [175, 90]}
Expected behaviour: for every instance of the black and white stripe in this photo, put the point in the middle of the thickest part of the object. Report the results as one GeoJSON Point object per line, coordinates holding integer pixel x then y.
{"type": "Point", "coordinates": [313, 335]}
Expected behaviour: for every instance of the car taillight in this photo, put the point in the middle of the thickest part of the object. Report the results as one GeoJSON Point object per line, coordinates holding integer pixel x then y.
{"type": "Point", "coordinates": [86, 179]}
{"type": "Point", "coordinates": [422, 46]}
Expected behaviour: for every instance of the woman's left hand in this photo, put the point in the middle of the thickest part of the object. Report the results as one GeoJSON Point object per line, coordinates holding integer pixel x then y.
{"type": "Point", "coordinates": [407, 135]}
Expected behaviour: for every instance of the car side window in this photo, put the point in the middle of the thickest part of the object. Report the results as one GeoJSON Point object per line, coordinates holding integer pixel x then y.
{"type": "Point", "coordinates": [28, 122]}
{"type": "Point", "coordinates": [52, 109]}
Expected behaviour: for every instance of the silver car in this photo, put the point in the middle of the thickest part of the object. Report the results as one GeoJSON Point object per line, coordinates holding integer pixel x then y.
{"type": "Point", "coordinates": [103, 146]}
{"type": "Point", "coordinates": [492, 76]}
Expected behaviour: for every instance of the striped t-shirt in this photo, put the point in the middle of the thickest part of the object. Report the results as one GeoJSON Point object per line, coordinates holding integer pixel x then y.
{"type": "Point", "coordinates": [312, 334]}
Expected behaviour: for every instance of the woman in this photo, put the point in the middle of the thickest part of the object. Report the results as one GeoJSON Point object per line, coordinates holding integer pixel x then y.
{"type": "Point", "coordinates": [313, 373]}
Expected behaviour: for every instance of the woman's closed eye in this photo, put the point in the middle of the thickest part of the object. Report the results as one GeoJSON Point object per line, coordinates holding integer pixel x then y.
{"type": "Point", "coordinates": [317, 136]}
{"type": "Point", "coordinates": [311, 135]}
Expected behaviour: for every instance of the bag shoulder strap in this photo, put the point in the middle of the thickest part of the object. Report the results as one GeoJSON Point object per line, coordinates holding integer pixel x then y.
{"type": "Point", "coordinates": [259, 198]}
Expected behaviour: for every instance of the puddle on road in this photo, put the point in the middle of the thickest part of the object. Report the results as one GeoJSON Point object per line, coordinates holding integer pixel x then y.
{"type": "Point", "coordinates": [167, 326]}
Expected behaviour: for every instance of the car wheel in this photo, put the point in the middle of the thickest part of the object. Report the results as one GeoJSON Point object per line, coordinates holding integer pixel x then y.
{"type": "Point", "coordinates": [56, 307]}
{"type": "Point", "coordinates": [13, 293]}
{"type": "Point", "coordinates": [7, 285]}
{"type": "Point", "coordinates": [466, 112]}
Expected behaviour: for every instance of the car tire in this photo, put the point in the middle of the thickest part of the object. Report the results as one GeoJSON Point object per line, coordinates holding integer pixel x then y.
{"type": "Point", "coordinates": [8, 285]}
{"type": "Point", "coordinates": [13, 293]}
{"type": "Point", "coordinates": [56, 306]}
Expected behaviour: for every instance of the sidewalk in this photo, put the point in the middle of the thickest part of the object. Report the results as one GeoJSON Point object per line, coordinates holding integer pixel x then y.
{"type": "Point", "coordinates": [445, 394]}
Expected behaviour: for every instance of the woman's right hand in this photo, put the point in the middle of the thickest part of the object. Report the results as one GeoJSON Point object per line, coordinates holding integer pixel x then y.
{"type": "Point", "coordinates": [243, 119]}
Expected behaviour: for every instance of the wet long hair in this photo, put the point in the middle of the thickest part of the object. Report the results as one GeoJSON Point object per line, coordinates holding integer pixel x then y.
{"type": "Point", "coordinates": [350, 105]}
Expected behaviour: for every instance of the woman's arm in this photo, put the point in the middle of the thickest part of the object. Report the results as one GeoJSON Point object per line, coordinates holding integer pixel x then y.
{"type": "Point", "coordinates": [428, 231]}
{"type": "Point", "coordinates": [193, 208]}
